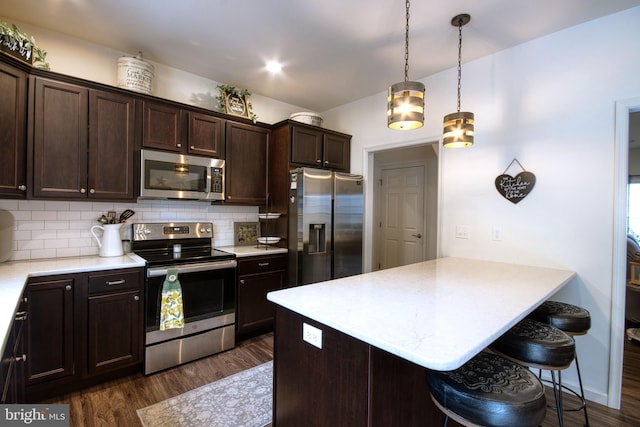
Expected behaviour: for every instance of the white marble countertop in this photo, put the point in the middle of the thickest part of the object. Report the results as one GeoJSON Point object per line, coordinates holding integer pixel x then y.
{"type": "Point", "coordinates": [252, 250]}
{"type": "Point", "coordinates": [437, 314]}
{"type": "Point", "coordinates": [14, 274]}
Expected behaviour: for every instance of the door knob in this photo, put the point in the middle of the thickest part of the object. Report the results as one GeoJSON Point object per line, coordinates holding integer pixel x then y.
{"type": "Point", "coordinates": [419, 236]}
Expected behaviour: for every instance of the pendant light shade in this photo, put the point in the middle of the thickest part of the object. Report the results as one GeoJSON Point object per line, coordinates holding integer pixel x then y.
{"type": "Point", "coordinates": [458, 126]}
{"type": "Point", "coordinates": [405, 102]}
{"type": "Point", "coordinates": [405, 105]}
{"type": "Point", "coordinates": [458, 130]}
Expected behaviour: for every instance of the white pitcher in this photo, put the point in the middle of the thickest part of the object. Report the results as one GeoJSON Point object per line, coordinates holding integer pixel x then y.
{"type": "Point", "coordinates": [110, 244]}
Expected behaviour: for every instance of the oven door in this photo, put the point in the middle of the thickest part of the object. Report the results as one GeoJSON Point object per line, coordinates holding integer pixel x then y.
{"type": "Point", "coordinates": [208, 298]}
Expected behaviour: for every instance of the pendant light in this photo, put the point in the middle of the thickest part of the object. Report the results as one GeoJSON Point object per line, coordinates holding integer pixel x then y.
{"type": "Point", "coordinates": [458, 126]}
{"type": "Point", "coordinates": [405, 103]}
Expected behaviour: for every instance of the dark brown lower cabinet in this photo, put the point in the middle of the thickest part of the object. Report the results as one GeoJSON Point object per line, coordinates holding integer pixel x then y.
{"type": "Point", "coordinates": [82, 329]}
{"type": "Point", "coordinates": [258, 276]}
{"type": "Point", "coordinates": [13, 358]}
{"type": "Point", "coordinates": [347, 382]}
{"type": "Point", "coordinates": [114, 321]}
{"type": "Point", "coordinates": [50, 329]}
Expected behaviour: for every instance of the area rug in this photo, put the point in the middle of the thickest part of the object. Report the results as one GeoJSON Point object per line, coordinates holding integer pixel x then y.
{"type": "Point", "coordinates": [240, 400]}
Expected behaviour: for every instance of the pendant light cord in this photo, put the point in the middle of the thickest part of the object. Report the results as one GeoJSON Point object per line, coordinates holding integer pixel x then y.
{"type": "Point", "coordinates": [406, 45]}
{"type": "Point", "coordinates": [459, 60]}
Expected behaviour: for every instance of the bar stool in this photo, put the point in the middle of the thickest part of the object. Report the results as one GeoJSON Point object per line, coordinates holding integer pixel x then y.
{"type": "Point", "coordinates": [572, 320]}
{"type": "Point", "coordinates": [538, 345]}
{"type": "Point", "coordinates": [491, 391]}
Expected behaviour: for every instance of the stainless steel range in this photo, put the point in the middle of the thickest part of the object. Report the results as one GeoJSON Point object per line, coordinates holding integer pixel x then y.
{"type": "Point", "coordinates": [207, 278]}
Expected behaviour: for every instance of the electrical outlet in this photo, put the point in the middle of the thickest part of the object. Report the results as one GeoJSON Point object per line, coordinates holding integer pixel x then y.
{"type": "Point", "coordinates": [462, 231]}
{"type": "Point", "coordinates": [497, 233]}
{"type": "Point", "coordinates": [312, 335]}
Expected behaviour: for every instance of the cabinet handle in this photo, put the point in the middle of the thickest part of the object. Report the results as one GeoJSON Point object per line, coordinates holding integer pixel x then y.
{"type": "Point", "coordinates": [318, 161]}
{"type": "Point", "coordinates": [178, 145]}
{"type": "Point", "coordinates": [21, 315]}
{"type": "Point", "coordinates": [263, 264]}
{"type": "Point", "coordinates": [115, 282]}
{"type": "Point", "coordinates": [22, 187]}
{"type": "Point", "coordinates": [82, 190]}
{"type": "Point", "coordinates": [92, 191]}
{"type": "Point", "coordinates": [193, 147]}
{"type": "Point", "coordinates": [22, 358]}
{"type": "Point", "coordinates": [136, 298]}
{"type": "Point", "coordinates": [67, 288]}
{"type": "Point", "coordinates": [242, 281]}
{"type": "Point", "coordinates": [326, 162]}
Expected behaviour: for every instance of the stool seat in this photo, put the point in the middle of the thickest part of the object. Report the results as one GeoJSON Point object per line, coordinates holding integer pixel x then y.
{"type": "Point", "coordinates": [536, 345]}
{"type": "Point", "coordinates": [489, 390]}
{"type": "Point", "coordinates": [569, 318]}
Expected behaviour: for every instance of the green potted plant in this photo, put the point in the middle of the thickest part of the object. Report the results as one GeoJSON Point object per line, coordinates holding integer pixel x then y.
{"type": "Point", "coordinates": [233, 100]}
{"type": "Point", "coordinates": [21, 46]}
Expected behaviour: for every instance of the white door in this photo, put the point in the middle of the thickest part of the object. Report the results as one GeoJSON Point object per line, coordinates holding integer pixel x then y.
{"type": "Point", "coordinates": [401, 214]}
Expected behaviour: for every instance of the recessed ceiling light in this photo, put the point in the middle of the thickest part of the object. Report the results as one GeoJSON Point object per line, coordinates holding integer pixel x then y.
{"type": "Point", "coordinates": [273, 66]}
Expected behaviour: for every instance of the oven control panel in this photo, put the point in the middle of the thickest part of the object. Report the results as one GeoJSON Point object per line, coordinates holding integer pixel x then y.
{"type": "Point", "coordinates": [163, 231]}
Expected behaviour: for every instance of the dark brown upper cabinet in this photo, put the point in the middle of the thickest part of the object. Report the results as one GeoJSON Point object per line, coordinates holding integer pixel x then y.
{"type": "Point", "coordinates": [246, 164]}
{"type": "Point", "coordinates": [316, 147]}
{"type": "Point", "coordinates": [13, 142]}
{"type": "Point", "coordinates": [83, 142]}
{"type": "Point", "coordinates": [170, 128]}
{"type": "Point", "coordinates": [206, 135]}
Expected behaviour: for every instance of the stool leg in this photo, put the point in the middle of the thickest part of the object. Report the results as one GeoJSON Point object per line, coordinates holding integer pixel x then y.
{"type": "Point", "coordinates": [584, 401]}
{"type": "Point", "coordinates": [557, 394]}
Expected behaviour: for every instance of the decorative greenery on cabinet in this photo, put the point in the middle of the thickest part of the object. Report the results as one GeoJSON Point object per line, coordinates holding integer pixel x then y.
{"type": "Point", "coordinates": [21, 46]}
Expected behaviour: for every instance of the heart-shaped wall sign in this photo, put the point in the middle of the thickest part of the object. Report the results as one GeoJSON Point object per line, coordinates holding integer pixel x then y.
{"type": "Point", "coordinates": [514, 189]}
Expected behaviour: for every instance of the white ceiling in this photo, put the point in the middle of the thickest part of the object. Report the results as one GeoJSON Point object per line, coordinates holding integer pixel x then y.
{"type": "Point", "coordinates": [333, 51]}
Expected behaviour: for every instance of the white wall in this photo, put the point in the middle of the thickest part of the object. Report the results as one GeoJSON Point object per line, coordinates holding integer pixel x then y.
{"type": "Point", "coordinates": [550, 104]}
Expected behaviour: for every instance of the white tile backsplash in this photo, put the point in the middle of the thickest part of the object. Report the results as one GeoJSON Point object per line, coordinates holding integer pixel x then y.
{"type": "Point", "coordinates": [54, 229]}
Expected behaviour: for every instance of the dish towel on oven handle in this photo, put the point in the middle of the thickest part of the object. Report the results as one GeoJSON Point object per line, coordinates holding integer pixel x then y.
{"type": "Point", "coordinates": [171, 312]}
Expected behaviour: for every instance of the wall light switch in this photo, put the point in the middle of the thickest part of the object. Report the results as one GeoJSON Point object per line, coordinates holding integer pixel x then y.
{"type": "Point", "coordinates": [312, 335]}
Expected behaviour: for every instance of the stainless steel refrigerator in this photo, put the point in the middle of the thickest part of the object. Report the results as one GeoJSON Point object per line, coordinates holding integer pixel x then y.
{"type": "Point", "coordinates": [325, 225]}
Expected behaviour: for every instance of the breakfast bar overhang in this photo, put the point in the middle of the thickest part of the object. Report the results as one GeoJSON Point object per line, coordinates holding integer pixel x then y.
{"type": "Point", "coordinates": [353, 351]}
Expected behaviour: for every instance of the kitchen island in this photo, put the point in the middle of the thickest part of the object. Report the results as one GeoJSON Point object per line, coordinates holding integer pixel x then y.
{"type": "Point", "coordinates": [353, 351]}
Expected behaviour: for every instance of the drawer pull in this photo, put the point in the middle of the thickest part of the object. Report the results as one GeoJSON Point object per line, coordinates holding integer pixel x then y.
{"type": "Point", "coordinates": [115, 282]}
{"type": "Point", "coordinates": [21, 315]}
{"type": "Point", "coordinates": [263, 264]}
{"type": "Point", "coordinates": [22, 358]}
{"type": "Point", "coordinates": [67, 288]}
{"type": "Point", "coordinates": [242, 281]}
{"type": "Point", "coordinates": [136, 298]}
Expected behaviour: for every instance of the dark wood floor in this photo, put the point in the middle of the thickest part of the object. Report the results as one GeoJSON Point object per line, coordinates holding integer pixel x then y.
{"type": "Point", "coordinates": [114, 404]}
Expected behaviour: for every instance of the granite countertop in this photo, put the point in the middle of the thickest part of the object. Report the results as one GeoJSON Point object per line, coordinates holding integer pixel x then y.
{"type": "Point", "coordinates": [14, 275]}
{"type": "Point", "coordinates": [437, 314]}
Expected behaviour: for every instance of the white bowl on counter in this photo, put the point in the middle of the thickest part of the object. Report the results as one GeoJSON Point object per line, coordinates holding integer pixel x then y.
{"type": "Point", "coordinates": [269, 240]}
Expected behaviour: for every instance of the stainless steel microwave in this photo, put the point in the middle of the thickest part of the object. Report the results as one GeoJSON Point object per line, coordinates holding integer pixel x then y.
{"type": "Point", "coordinates": [166, 175]}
